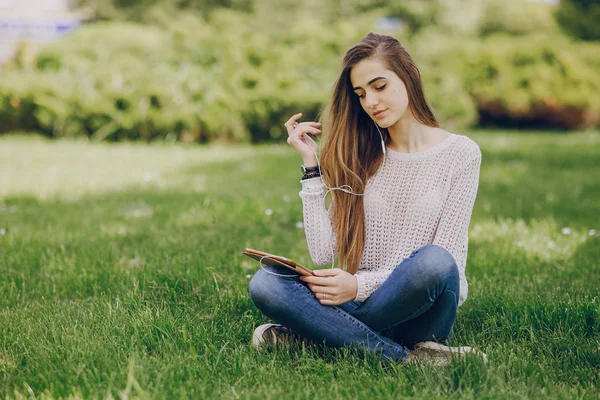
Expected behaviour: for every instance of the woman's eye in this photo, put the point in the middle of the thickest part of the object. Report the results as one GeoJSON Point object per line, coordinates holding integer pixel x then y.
{"type": "Point", "coordinates": [380, 88]}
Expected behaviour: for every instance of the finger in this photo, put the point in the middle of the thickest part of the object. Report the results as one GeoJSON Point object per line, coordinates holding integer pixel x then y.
{"type": "Point", "coordinates": [327, 272]}
{"type": "Point", "coordinates": [293, 119]}
{"type": "Point", "coordinates": [302, 134]}
{"type": "Point", "coordinates": [305, 129]}
{"type": "Point", "coordinates": [325, 296]}
{"type": "Point", "coordinates": [328, 302]}
{"type": "Point", "coordinates": [289, 128]}
{"type": "Point", "coordinates": [320, 290]}
{"type": "Point", "coordinates": [311, 130]}
{"type": "Point", "coordinates": [291, 123]}
{"type": "Point", "coordinates": [295, 116]}
{"type": "Point", "coordinates": [307, 125]}
{"type": "Point", "coordinates": [309, 140]}
{"type": "Point", "coordinates": [319, 281]}
{"type": "Point", "coordinates": [319, 275]}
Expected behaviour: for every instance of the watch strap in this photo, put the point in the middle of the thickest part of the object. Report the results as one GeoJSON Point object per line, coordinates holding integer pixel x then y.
{"type": "Point", "coordinates": [309, 175]}
{"type": "Point", "coordinates": [306, 170]}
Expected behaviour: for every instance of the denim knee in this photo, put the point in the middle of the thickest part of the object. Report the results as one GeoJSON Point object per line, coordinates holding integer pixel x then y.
{"type": "Point", "coordinates": [259, 287]}
{"type": "Point", "coordinates": [436, 265]}
{"type": "Point", "coordinates": [267, 289]}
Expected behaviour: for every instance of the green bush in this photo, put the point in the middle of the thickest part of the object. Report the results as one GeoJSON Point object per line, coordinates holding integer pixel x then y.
{"type": "Point", "coordinates": [96, 83]}
{"type": "Point", "coordinates": [551, 81]}
{"type": "Point", "coordinates": [225, 80]}
{"type": "Point", "coordinates": [236, 78]}
{"type": "Point", "coordinates": [580, 18]}
{"type": "Point", "coordinates": [473, 18]}
{"type": "Point", "coordinates": [517, 18]}
{"type": "Point", "coordinates": [443, 79]}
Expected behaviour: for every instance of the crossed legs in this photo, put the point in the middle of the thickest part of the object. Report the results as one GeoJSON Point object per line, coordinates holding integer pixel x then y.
{"type": "Point", "coordinates": [417, 302]}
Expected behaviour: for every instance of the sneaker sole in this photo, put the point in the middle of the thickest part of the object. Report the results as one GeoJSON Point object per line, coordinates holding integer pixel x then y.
{"type": "Point", "coordinates": [439, 351]}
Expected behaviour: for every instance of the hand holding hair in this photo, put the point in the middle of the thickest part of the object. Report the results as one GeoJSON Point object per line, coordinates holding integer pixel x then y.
{"type": "Point", "coordinates": [298, 138]}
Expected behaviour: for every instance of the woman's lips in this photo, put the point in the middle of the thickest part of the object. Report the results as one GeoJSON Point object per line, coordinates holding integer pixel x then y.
{"type": "Point", "coordinates": [379, 114]}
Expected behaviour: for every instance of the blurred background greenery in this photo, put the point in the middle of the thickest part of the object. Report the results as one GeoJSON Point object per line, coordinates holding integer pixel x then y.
{"type": "Point", "coordinates": [235, 70]}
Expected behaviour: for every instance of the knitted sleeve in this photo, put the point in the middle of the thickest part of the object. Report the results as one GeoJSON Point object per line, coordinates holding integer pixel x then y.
{"type": "Point", "coordinates": [368, 282]}
{"type": "Point", "coordinates": [317, 222]}
{"type": "Point", "coordinates": [452, 231]}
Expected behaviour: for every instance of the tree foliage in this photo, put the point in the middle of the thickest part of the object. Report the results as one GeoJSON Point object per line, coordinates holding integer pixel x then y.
{"type": "Point", "coordinates": [580, 18]}
{"type": "Point", "coordinates": [238, 74]}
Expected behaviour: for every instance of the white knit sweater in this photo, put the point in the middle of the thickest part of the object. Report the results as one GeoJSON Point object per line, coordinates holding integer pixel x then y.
{"type": "Point", "coordinates": [413, 200]}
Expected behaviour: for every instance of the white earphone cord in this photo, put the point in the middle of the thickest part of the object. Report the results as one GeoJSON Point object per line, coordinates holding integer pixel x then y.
{"type": "Point", "coordinates": [326, 193]}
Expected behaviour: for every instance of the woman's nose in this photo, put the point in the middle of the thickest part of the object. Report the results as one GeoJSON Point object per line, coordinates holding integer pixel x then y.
{"type": "Point", "coordinates": [371, 101]}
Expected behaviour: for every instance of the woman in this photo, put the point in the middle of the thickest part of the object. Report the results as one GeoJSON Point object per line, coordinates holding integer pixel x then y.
{"type": "Point", "coordinates": [398, 224]}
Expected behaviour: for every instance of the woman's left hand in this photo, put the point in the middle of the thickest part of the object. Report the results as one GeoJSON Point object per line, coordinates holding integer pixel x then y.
{"type": "Point", "coordinates": [332, 286]}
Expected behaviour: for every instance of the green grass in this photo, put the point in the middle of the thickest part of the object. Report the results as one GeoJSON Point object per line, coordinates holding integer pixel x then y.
{"type": "Point", "coordinates": [121, 274]}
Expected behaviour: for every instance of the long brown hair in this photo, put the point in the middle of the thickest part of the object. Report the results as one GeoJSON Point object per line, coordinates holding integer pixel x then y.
{"type": "Point", "coordinates": [352, 147]}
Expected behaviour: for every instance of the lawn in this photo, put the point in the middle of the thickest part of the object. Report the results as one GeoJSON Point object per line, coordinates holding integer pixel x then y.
{"type": "Point", "coordinates": [121, 274]}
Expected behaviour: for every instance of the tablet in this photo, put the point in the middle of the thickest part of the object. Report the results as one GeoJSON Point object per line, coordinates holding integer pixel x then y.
{"type": "Point", "coordinates": [272, 259]}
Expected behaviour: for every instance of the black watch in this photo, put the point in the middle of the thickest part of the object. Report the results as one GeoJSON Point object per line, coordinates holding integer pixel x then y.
{"type": "Point", "coordinates": [308, 170]}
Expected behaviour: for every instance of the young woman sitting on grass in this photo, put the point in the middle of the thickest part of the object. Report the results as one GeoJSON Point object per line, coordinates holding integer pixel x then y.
{"type": "Point", "coordinates": [398, 220]}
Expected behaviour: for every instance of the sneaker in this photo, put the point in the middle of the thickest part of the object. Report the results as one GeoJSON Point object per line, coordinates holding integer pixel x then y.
{"type": "Point", "coordinates": [439, 355]}
{"type": "Point", "coordinates": [274, 335]}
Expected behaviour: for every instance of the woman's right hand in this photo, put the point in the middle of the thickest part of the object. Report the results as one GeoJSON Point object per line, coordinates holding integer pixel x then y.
{"type": "Point", "coordinates": [300, 141]}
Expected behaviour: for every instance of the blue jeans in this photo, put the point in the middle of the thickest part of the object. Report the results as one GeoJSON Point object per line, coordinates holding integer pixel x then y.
{"type": "Point", "coordinates": [417, 302]}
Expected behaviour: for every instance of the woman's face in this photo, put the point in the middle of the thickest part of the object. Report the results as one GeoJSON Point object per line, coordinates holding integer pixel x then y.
{"type": "Point", "coordinates": [379, 89]}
